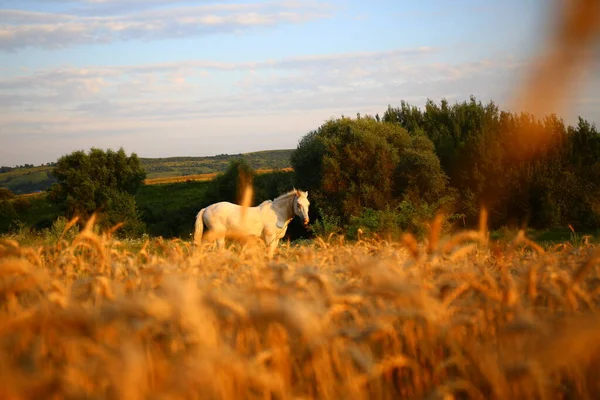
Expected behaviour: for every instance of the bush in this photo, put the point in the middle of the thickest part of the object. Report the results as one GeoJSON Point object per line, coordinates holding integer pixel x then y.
{"type": "Point", "coordinates": [57, 230]}
{"type": "Point", "coordinates": [100, 181]}
{"type": "Point", "coordinates": [6, 194]}
{"type": "Point", "coordinates": [406, 217]}
{"type": "Point", "coordinates": [21, 204]}
{"type": "Point", "coordinates": [121, 208]}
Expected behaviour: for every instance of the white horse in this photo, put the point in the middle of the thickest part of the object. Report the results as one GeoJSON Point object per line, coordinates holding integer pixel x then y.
{"type": "Point", "coordinates": [268, 220]}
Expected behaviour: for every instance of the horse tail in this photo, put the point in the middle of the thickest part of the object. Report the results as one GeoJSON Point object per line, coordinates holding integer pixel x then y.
{"type": "Point", "coordinates": [199, 227]}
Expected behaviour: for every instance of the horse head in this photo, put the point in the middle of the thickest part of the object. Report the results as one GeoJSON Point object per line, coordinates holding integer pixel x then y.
{"type": "Point", "coordinates": [301, 205]}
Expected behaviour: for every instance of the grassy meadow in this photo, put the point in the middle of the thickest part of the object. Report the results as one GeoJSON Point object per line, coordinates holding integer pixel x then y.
{"type": "Point", "coordinates": [454, 316]}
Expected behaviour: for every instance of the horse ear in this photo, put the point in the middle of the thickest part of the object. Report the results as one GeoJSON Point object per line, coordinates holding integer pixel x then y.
{"type": "Point", "coordinates": [306, 194]}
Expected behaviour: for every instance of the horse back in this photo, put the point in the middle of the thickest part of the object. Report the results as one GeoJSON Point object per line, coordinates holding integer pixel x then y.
{"type": "Point", "coordinates": [228, 216]}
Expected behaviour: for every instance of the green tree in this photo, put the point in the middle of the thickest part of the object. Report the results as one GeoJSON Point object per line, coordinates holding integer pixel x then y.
{"type": "Point", "coordinates": [491, 163]}
{"type": "Point", "coordinates": [356, 166]}
{"type": "Point", "coordinates": [229, 185]}
{"type": "Point", "coordinates": [100, 181]}
{"type": "Point", "coordinates": [419, 175]}
{"type": "Point", "coordinates": [8, 215]}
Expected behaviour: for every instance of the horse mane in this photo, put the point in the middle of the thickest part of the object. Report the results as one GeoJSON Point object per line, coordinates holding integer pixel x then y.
{"type": "Point", "coordinates": [291, 193]}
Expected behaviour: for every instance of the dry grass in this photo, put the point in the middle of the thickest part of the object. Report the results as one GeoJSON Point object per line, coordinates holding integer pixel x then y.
{"type": "Point", "coordinates": [454, 317]}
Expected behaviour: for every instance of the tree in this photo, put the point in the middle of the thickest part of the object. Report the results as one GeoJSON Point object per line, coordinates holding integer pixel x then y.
{"type": "Point", "coordinates": [8, 215]}
{"type": "Point", "coordinates": [229, 185]}
{"type": "Point", "coordinates": [491, 163]}
{"type": "Point", "coordinates": [419, 175]}
{"type": "Point", "coordinates": [100, 181]}
{"type": "Point", "coordinates": [353, 166]}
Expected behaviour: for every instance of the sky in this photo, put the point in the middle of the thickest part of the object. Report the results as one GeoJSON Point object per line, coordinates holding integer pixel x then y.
{"type": "Point", "coordinates": [168, 78]}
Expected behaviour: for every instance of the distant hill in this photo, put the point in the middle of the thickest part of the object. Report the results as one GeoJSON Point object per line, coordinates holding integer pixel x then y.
{"type": "Point", "coordinates": [184, 166]}
{"type": "Point", "coordinates": [25, 180]}
{"type": "Point", "coordinates": [30, 179]}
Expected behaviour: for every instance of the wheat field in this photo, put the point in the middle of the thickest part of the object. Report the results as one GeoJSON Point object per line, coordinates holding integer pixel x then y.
{"type": "Point", "coordinates": [456, 316]}
{"type": "Point", "coordinates": [459, 316]}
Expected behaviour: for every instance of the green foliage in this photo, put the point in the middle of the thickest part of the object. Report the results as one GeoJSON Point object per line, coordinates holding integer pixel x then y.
{"type": "Point", "coordinates": [406, 216]}
{"type": "Point", "coordinates": [490, 164]}
{"type": "Point", "coordinates": [8, 215]}
{"type": "Point", "coordinates": [361, 171]}
{"type": "Point", "coordinates": [457, 158]}
{"type": "Point", "coordinates": [169, 210]}
{"type": "Point", "coordinates": [121, 207]}
{"type": "Point", "coordinates": [327, 225]}
{"type": "Point", "coordinates": [359, 164]}
{"type": "Point", "coordinates": [228, 186]}
{"type": "Point", "coordinates": [40, 213]}
{"type": "Point", "coordinates": [307, 161]}
{"type": "Point", "coordinates": [21, 204]}
{"type": "Point", "coordinates": [100, 181]}
{"type": "Point", "coordinates": [6, 194]}
{"type": "Point", "coordinates": [272, 184]}
{"type": "Point", "coordinates": [58, 231]}
{"type": "Point", "coordinates": [419, 175]}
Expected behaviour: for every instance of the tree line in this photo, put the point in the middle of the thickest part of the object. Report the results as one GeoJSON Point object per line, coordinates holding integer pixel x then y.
{"type": "Point", "coordinates": [394, 172]}
{"type": "Point", "coordinates": [383, 175]}
{"type": "Point", "coordinates": [4, 168]}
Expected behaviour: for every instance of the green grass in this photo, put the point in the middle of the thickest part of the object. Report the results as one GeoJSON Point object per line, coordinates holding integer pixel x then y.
{"type": "Point", "coordinates": [550, 237]}
{"type": "Point", "coordinates": [172, 196]}
{"type": "Point", "coordinates": [170, 209]}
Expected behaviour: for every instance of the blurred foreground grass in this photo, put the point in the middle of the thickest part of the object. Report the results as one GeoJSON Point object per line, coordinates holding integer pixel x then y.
{"type": "Point", "coordinates": [87, 316]}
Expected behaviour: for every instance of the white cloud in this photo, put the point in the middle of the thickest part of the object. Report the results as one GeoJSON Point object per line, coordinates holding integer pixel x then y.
{"type": "Point", "coordinates": [17, 17]}
{"type": "Point", "coordinates": [22, 29]}
{"type": "Point", "coordinates": [200, 107]}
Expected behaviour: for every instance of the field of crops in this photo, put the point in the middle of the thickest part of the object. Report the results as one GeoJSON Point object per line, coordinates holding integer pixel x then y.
{"type": "Point", "coordinates": [199, 177]}
{"type": "Point", "coordinates": [88, 316]}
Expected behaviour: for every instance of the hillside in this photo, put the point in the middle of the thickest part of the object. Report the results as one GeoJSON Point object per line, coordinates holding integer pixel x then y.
{"type": "Point", "coordinates": [184, 166]}
{"type": "Point", "coordinates": [29, 179]}
{"type": "Point", "coordinates": [25, 180]}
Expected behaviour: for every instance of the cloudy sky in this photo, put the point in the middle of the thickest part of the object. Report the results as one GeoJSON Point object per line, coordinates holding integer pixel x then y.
{"type": "Point", "coordinates": [202, 77]}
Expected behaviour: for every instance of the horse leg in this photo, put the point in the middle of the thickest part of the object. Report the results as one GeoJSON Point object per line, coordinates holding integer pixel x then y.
{"type": "Point", "coordinates": [221, 242]}
{"type": "Point", "coordinates": [218, 236]}
{"type": "Point", "coordinates": [272, 242]}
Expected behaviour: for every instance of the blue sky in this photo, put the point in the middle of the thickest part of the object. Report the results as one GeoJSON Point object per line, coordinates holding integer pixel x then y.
{"type": "Point", "coordinates": [190, 78]}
